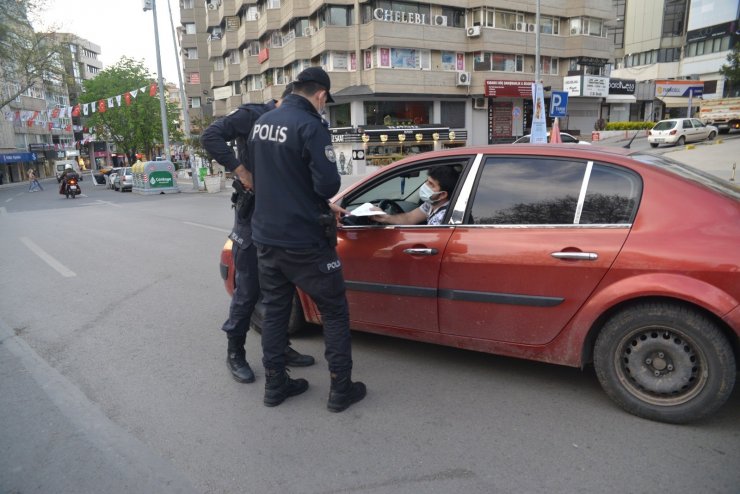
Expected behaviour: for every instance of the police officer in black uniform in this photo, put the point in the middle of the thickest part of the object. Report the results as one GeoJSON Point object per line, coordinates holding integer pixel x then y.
{"type": "Point", "coordinates": [237, 126]}
{"type": "Point", "coordinates": [294, 228]}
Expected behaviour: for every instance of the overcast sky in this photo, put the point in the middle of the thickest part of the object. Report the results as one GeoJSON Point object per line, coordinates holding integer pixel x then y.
{"type": "Point", "coordinates": [120, 28]}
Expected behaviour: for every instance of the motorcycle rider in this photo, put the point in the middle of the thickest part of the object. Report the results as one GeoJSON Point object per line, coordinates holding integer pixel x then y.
{"type": "Point", "coordinates": [68, 173]}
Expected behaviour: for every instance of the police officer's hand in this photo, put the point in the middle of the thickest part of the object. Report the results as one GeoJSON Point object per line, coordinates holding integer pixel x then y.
{"type": "Point", "coordinates": [244, 177]}
{"type": "Point", "coordinates": [337, 210]}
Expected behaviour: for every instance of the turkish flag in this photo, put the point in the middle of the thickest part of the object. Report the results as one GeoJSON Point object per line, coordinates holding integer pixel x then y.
{"type": "Point", "coordinates": [127, 97]}
{"type": "Point", "coordinates": [153, 90]}
{"type": "Point", "coordinates": [101, 106]}
{"type": "Point", "coordinates": [76, 110]}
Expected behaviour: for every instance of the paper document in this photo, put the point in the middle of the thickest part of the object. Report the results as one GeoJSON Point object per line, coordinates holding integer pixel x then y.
{"type": "Point", "coordinates": [367, 209]}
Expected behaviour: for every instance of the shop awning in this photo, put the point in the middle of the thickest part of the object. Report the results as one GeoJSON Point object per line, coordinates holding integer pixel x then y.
{"type": "Point", "coordinates": [621, 98]}
{"type": "Point", "coordinates": [677, 101]}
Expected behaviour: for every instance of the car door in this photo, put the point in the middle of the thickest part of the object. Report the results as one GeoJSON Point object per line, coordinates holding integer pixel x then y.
{"type": "Point", "coordinates": [701, 130]}
{"type": "Point", "coordinates": [391, 271]}
{"type": "Point", "coordinates": [537, 237]}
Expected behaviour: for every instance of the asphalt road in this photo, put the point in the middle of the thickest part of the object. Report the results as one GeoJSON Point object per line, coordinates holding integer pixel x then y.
{"type": "Point", "coordinates": [112, 379]}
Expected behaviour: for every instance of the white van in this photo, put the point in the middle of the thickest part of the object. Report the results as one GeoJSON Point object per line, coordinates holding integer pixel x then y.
{"type": "Point", "coordinates": [60, 165]}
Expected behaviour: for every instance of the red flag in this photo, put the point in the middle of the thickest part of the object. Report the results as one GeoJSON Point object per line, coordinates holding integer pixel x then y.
{"type": "Point", "coordinates": [153, 89]}
{"type": "Point", "coordinates": [127, 97]}
{"type": "Point", "coordinates": [76, 110]}
{"type": "Point", "coordinates": [101, 106]}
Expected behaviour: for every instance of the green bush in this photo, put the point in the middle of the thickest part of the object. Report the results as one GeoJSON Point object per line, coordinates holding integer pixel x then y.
{"type": "Point", "coordinates": [629, 125]}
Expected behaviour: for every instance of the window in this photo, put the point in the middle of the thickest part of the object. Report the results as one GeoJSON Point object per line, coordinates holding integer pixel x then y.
{"type": "Point", "coordinates": [673, 17]}
{"type": "Point", "coordinates": [549, 25]}
{"type": "Point", "coordinates": [190, 28]}
{"type": "Point", "coordinates": [507, 20]}
{"type": "Point", "coordinates": [340, 115]}
{"type": "Point", "coordinates": [536, 191]}
{"type": "Point", "coordinates": [253, 48]}
{"type": "Point", "coordinates": [233, 57]}
{"type": "Point", "coordinates": [335, 16]}
{"type": "Point", "coordinates": [451, 60]}
{"type": "Point", "coordinates": [339, 61]}
{"type": "Point", "coordinates": [398, 112]}
{"type": "Point", "coordinates": [549, 65]}
{"type": "Point", "coordinates": [191, 53]}
{"type": "Point", "coordinates": [252, 13]}
{"type": "Point", "coordinates": [503, 62]}
{"type": "Point", "coordinates": [273, 4]}
{"type": "Point", "coordinates": [92, 70]}
{"type": "Point", "coordinates": [188, 4]}
{"type": "Point", "coordinates": [218, 64]}
{"type": "Point", "coordinates": [194, 102]}
{"type": "Point", "coordinates": [452, 114]}
{"type": "Point", "coordinates": [455, 17]}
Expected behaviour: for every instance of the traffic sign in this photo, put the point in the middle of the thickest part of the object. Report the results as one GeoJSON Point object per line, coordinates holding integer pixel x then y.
{"type": "Point", "coordinates": [559, 104]}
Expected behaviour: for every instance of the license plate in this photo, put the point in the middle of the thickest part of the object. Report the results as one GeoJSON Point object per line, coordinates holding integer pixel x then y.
{"type": "Point", "coordinates": [72, 187]}
{"type": "Point", "coordinates": [660, 140]}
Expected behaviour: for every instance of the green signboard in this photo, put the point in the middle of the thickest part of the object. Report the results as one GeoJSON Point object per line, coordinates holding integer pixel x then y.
{"type": "Point", "coordinates": [160, 179]}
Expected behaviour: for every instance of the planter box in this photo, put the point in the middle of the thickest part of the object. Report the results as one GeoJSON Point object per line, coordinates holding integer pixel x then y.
{"type": "Point", "coordinates": [213, 183]}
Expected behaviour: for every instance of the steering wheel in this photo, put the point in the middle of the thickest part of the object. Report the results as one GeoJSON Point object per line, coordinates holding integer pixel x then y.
{"type": "Point", "coordinates": [390, 206]}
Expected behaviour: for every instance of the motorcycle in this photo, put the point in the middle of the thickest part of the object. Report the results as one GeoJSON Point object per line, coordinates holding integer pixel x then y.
{"type": "Point", "coordinates": [71, 188]}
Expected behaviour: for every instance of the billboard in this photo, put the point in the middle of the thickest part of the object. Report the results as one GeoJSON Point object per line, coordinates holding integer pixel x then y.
{"type": "Point", "coordinates": [678, 88]}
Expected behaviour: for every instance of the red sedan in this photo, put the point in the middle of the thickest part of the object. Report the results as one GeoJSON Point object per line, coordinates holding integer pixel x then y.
{"type": "Point", "coordinates": [563, 254]}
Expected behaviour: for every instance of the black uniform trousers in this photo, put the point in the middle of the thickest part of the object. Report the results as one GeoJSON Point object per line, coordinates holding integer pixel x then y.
{"type": "Point", "coordinates": [318, 273]}
{"type": "Point", "coordinates": [246, 291]}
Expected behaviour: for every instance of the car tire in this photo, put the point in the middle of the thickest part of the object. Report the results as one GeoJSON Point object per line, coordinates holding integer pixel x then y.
{"type": "Point", "coordinates": [296, 322]}
{"type": "Point", "coordinates": [653, 144]}
{"type": "Point", "coordinates": [712, 135]}
{"type": "Point", "coordinates": [665, 362]}
{"type": "Point", "coordinates": [681, 141]}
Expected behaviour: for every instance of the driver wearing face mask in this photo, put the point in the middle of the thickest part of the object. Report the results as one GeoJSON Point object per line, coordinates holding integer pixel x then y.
{"type": "Point", "coordinates": [435, 193]}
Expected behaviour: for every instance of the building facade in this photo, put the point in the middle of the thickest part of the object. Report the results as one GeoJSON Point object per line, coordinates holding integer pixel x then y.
{"type": "Point", "coordinates": [672, 48]}
{"type": "Point", "coordinates": [406, 76]}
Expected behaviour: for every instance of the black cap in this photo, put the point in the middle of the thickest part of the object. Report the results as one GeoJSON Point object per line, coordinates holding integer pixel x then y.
{"type": "Point", "coordinates": [320, 77]}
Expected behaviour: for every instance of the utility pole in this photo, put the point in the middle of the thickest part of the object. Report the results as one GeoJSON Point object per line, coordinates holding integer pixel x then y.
{"type": "Point", "coordinates": [183, 99]}
{"type": "Point", "coordinates": [152, 5]}
{"type": "Point", "coordinates": [537, 44]}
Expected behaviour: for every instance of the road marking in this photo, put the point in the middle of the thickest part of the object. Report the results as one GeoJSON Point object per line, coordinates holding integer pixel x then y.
{"type": "Point", "coordinates": [58, 266]}
{"type": "Point", "coordinates": [8, 199]}
{"type": "Point", "coordinates": [208, 227]}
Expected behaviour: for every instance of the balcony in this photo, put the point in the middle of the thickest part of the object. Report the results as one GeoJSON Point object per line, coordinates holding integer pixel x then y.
{"type": "Point", "coordinates": [416, 36]}
{"type": "Point", "coordinates": [270, 21]}
{"type": "Point", "coordinates": [248, 30]}
{"type": "Point", "coordinates": [215, 46]}
{"type": "Point", "coordinates": [232, 72]}
{"type": "Point", "coordinates": [218, 78]}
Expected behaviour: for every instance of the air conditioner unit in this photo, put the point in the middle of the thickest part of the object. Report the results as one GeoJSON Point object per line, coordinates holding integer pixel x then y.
{"type": "Point", "coordinates": [473, 31]}
{"type": "Point", "coordinates": [439, 20]}
{"type": "Point", "coordinates": [479, 103]}
{"type": "Point", "coordinates": [212, 6]}
{"type": "Point", "coordinates": [521, 26]}
{"type": "Point", "coordinates": [308, 31]}
{"type": "Point", "coordinates": [463, 78]}
{"type": "Point", "coordinates": [573, 31]}
{"type": "Point", "coordinates": [531, 27]}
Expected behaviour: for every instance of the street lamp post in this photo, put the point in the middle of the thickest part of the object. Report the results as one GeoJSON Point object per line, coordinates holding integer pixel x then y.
{"type": "Point", "coordinates": [152, 5]}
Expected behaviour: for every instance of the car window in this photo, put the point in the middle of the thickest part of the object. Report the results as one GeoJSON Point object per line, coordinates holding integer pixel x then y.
{"type": "Point", "coordinates": [539, 191]}
{"type": "Point", "coordinates": [687, 124]}
{"type": "Point", "coordinates": [612, 196]}
{"type": "Point", "coordinates": [567, 138]}
{"type": "Point", "coordinates": [527, 191]}
{"type": "Point", "coordinates": [665, 125]}
{"type": "Point", "coordinates": [697, 123]}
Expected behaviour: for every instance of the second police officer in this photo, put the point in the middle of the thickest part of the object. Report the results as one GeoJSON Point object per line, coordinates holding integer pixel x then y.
{"type": "Point", "coordinates": [237, 125]}
{"type": "Point", "coordinates": [294, 228]}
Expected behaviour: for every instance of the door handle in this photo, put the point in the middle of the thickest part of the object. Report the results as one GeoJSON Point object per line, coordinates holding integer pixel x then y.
{"type": "Point", "coordinates": [575, 256]}
{"type": "Point", "coordinates": [421, 252]}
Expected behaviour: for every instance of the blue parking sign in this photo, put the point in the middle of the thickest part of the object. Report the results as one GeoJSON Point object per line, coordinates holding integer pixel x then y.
{"type": "Point", "coordinates": [558, 104]}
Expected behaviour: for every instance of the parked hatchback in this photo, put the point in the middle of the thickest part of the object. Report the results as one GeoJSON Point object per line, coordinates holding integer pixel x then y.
{"type": "Point", "coordinates": [564, 137]}
{"type": "Point", "coordinates": [124, 179]}
{"type": "Point", "coordinates": [569, 255]}
{"type": "Point", "coordinates": [680, 131]}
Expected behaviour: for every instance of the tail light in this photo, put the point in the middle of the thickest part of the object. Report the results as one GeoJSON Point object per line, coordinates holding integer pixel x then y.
{"type": "Point", "coordinates": [650, 132]}
{"type": "Point", "coordinates": [673, 132]}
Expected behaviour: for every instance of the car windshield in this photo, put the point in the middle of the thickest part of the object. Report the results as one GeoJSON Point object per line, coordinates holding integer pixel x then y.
{"type": "Point", "coordinates": [690, 173]}
{"type": "Point", "coordinates": [665, 125]}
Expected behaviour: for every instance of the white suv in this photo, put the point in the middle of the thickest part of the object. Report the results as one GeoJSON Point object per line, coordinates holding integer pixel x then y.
{"type": "Point", "coordinates": [680, 131]}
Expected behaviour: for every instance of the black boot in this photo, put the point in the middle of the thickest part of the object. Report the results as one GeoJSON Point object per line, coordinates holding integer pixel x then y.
{"type": "Point", "coordinates": [279, 386]}
{"type": "Point", "coordinates": [236, 360]}
{"type": "Point", "coordinates": [344, 392]}
{"type": "Point", "coordinates": [295, 359]}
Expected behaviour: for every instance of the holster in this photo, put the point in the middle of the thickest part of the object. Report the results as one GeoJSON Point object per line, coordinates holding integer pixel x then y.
{"type": "Point", "coordinates": [242, 199]}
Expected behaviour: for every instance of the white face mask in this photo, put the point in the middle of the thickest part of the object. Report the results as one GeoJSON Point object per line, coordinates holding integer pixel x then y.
{"type": "Point", "coordinates": [426, 193]}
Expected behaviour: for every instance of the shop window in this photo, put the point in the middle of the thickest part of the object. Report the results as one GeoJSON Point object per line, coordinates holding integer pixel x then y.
{"type": "Point", "coordinates": [452, 61]}
{"type": "Point", "coordinates": [452, 114]}
{"type": "Point", "coordinates": [397, 112]}
{"type": "Point", "coordinates": [340, 116]}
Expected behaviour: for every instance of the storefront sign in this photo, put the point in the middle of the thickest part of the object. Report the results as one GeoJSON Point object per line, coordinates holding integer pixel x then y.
{"type": "Point", "coordinates": [508, 89]}
{"type": "Point", "coordinates": [716, 31]}
{"type": "Point", "coordinates": [622, 86]}
{"type": "Point", "coordinates": [572, 85]}
{"type": "Point", "coordinates": [398, 16]}
{"type": "Point", "coordinates": [591, 61]}
{"type": "Point", "coordinates": [595, 86]}
{"type": "Point", "coordinates": [678, 88]}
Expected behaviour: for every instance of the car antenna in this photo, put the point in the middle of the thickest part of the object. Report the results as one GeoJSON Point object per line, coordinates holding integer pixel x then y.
{"type": "Point", "coordinates": [627, 146]}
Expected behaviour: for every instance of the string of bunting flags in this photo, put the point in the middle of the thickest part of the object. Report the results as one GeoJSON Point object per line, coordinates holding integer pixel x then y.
{"type": "Point", "coordinates": [47, 117]}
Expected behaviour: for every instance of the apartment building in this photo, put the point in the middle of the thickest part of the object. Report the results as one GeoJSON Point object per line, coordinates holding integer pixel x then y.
{"type": "Point", "coordinates": [406, 76]}
{"type": "Point", "coordinates": [672, 48]}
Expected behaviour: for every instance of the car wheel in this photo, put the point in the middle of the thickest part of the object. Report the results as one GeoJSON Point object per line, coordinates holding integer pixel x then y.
{"type": "Point", "coordinates": [681, 141]}
{"type": "Point", "coordinates": [296, 323]}
{"type": "Point", "coordinates": [665, 362]}
{"type": "Point", "coordinates": [653, 144]}
{"type": "Point", "coordinates": [711, 135]}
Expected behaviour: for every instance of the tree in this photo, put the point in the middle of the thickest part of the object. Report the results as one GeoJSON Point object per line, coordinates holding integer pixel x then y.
{"type": "Point", "coordinates": [731, 71]}
{"type": "Point", "coordinates": [136, 126]}
{"type": "Point", "coordinates": [27, 58]}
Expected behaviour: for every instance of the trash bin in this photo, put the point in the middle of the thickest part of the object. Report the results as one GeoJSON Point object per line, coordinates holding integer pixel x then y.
{"type": "Point", "coordinates": [154, 177]}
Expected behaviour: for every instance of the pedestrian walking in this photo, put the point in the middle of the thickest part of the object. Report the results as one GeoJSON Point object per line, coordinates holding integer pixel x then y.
{"type": "Point", "coordinates": [237, 126]}
{"type": "Point", "coordinates": [34, 184]}
{"type": "Point", "coordinates": [294, 229]}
